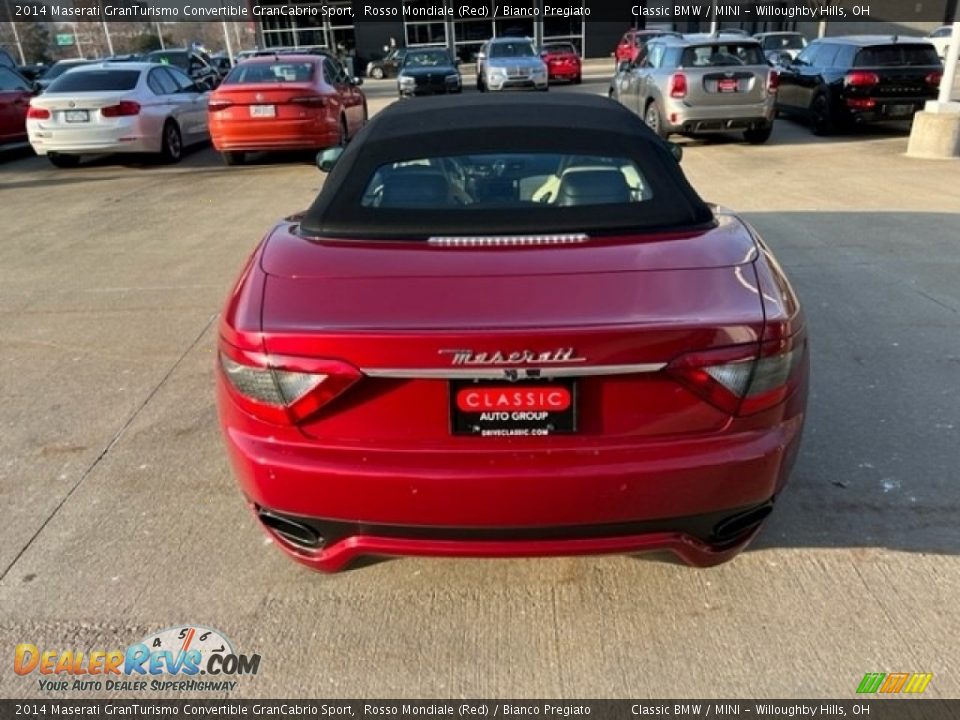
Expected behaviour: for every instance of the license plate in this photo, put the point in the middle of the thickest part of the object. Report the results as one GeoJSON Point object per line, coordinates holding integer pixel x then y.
{"type": "Point", "coordinates": [497, 408]}
{"type": "Point", "coordinates": [727, 85]}
{"type": "Point", "coordinates": [899, 110]}
{"type": "Point", "coordinates": [263, 111]}
{"type": "Point", "coordinates": [76, 116]}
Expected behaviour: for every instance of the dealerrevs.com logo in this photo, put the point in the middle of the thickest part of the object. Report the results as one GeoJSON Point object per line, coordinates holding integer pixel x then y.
{"type": "Point", "coordinates": [181, 659]}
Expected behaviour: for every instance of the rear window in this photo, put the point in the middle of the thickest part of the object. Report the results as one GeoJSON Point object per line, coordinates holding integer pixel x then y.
{"type": "Point", "coordinates": [723, 55]}
{"type": "Point", "coordinates": [560, 48]}
{"type": "Point", "coordinates": [95, 80]}
{"type": "Point", "coordinates": [271, 72]}
{"type": "Point", "coordinates": [538, 181]}
{"type": "Point", "coordinates": [896, 55]}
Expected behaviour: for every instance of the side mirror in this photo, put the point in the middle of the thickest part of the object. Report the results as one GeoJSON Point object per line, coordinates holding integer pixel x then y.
{"type": "Point", "coordinates": [356, 81]}
{"type": "Point", "coordinates": [456, 62]}
{"type": "Point", "coordinates": [36, 88]}
{"type": "Point", "coordinates": [676, 151]}
{"type": "Point", "coordinates": [326, 159]}
{"type": "Point", "coordinates": [481, 56]}
{"type": "Point", "coordinates": [623, 66]}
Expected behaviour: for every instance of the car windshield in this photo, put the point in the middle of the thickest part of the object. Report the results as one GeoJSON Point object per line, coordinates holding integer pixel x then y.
{"type": "Point", "coordinates": [560, 48]}
{"type": "Point", "coordinates": [58, 69]}
{"type": "Point", "coordinates": [95, 81]}
{"type": "Point", "coordinates": [275, 72]}
{"type": "Point", "coordinates": [723, 55]}
{"type": "Point", "coordinates": [897, 55]}
{"type": "Point", "coordinates": [427, 58]}
{"type": "Point", "coordinates": [511, 49]}
{"type": "Point", "coordinates": [506, 180]}
{"type": "Point", "coordinates": [784, 42]}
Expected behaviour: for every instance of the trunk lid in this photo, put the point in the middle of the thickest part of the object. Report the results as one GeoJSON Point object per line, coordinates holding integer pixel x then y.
{"type": "Point", "coordinates": [397, 311]}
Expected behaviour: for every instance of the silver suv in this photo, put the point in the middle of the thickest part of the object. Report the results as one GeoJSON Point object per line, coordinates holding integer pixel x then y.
{"type": "Point", "coordinates": [509, 62]}
{"type": "Point", "coordinates": [701, 84]}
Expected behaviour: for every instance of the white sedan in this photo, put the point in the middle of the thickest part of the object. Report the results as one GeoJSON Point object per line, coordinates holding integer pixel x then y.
{"type": "Point", "coordinates": [118, 108]}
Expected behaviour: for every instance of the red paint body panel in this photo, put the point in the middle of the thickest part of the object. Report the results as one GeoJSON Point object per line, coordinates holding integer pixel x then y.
{"type": "Point", "coordinates": [295, 125]}
{"type": "Point", "coordinates": [562, 65]}
{"type": "Point", "coordinates": [646, 446]}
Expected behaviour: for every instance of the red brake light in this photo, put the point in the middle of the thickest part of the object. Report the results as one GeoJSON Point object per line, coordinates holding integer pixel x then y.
{"type": "Point", "coordinates": [934, 78]}
{"type": "Point", "coordinates": [740, 380]}
{"type": "Point", "coordinates": [216, 104]}
{"type": "Point", "coordinates": [280, 389]}
{"type": "Point", "coordinates": [36, 113]}
{"type": "Point", "coordinates": [678, 85]}
{"type": "Point", "coordinates": [309, 100]}
{"type": "Point", "coordinates": [861, 78]}
{"type": "Point", "coordinates": [773, 81]}
{"type": "Point", "coordinates": [124, 109]}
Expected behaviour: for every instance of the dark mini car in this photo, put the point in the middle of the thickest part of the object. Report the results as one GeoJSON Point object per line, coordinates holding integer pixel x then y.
{"type": "Point", "coordinates": [388, 66]}
{"type": "Point", "coordinates": [836, 83]}
{"type": "Point", "coordinates": [429, 71]}
{"type": "Point", "coordinates": [510, 327]}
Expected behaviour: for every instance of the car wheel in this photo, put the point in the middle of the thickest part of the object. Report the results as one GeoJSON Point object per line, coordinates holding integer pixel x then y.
{"type": "Point", "coordinates": [234, 158]}
{"type": "Point", "coordinates": [481, 86]}
{"type": "Point", "coordinates": [578, 79]}
{"type": "Point", "coordinates": [377, 73]}
{"type": "Point", "coordinates": [821, 117]}
{"type": "Point", "coordinates": [654, 119]}
{"type": "Point", "coordinates": [171, 144]}
{"type": "Point", "coordinates": [758, 136]}
{"type": "Point", "coordinates": [63, 161]}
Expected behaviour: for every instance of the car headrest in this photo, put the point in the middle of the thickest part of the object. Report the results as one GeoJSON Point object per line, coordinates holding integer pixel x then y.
{"type": "Point", "coordinates": [593, 187]}
{"type": "Point", "coordinates": [415, 188]}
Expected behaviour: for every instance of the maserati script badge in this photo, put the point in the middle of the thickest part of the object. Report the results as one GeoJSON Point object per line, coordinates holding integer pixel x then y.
{"type": "Point", "coordinates": [516, 357]}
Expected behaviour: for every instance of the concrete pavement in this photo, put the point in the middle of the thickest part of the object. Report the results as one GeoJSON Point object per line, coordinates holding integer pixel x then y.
{"type": "Point", "coordinates": [120, 515]}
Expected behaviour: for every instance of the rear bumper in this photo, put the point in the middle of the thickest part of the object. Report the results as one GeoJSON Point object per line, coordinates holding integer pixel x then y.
{"type": "Point", "coordinates": [125, 137]}
{"type": "Point", "coordinates": [555, 501]}
{"type": "Point", "coordinates": [273, 135]}
{"type": "Point", "coordinates": [680, 118]}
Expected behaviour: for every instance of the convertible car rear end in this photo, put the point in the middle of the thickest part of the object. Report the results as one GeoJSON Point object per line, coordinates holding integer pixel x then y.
{"type": "Point", "coordinates": [466, 349]}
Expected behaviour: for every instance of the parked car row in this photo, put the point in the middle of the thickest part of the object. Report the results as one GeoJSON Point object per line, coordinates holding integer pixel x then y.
{"type": "Point", "coordinates": [717, 83]}
{"type": "Point", "coordinates": [266, 103]}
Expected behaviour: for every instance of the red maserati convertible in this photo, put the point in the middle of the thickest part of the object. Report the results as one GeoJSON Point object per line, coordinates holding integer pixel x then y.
{"type": "Point", "coordinates": [511, 328]}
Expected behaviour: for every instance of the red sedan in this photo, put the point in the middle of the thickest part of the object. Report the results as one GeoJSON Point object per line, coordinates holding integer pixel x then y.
{"type": "Point", "coordinates": [633, 44]}
{"type": "Point", "coordinates": [510, 328]}
{"type": "Point", "coordinates": [563, 62]}
{"type": "Point", "coordinates": [285, 102]}
{"type": "Point", "coordinates": [15, 94]}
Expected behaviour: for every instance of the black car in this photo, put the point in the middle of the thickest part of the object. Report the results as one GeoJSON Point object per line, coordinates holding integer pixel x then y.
{"type": "Point", "coordinates": [428, 72]}
{"type": "Point", "coordinates": [58, 69]}
{"type": "Point", "coordinates": [33, 71]}
{"type": "Point", "coordinates": [192, 63]}
{"type": "Point", "coordinates": [840, 82]}
{"type": "Point", "coordinates": [388, 66]}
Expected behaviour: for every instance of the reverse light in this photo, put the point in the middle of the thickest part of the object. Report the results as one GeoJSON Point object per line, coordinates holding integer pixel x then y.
{"type": "Point", "coordinates": [861, 78]}
{"type": "Point", "coordinates": [125, 108]}
{"type": "Point", "coordinates": [678, 85]}
{"type": "Point", "coordinates": [280, 389]}
{"type": "Point", "coordinates": [36, 113]}
{"type": "Point", "coordinates": [742, 380]}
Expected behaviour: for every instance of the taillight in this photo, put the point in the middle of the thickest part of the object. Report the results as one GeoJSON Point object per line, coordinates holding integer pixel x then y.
{"type": "Point", "coordinates": [678, 85]}
{"type": "Point", "coordinates": [36, 113]}
{"type": "Point", "coordinates": [216, 105]}
{"type": "Point", "coordinates": [861, 78]}
{"type": "Point", "coordinates": [773, 81]}
{"type": "Point", "coordinates": [124, 109]}
{"type": "Point", "coordinates": [281, 389]}
{"type": "Point", "coordinates": [934, 78]}
{"type": "Point", "coordinates": [738, 379]}
{"type": "Point", "coordinates": [309, 100]}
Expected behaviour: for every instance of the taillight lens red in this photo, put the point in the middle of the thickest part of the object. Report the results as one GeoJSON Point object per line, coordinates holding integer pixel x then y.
{"type": "Point", "coordinates": [36, 113]}
{"type": "Point", "coordinates": [678, 85]}
{"type": "Point", "coordinates": [309, 100]}
{"type": "Point", "coordinates": [860, 78]}
{"type": "Point", "coordinates": [934, 78]}
{"type": "Point", "coordinates": [773, 81]}
{"type": "Point", "coordinates": [216, 105]}
{"type": "Point", "coordinates": [125, 108]}
{"type": "Point", "coordinates": [281, 389]}
{"type": "Point", "coordinates": [742, 380]}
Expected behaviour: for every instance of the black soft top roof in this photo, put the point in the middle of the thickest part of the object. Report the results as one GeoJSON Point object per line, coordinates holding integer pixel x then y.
{"type": "Point", "coordinates": [463, 125]}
